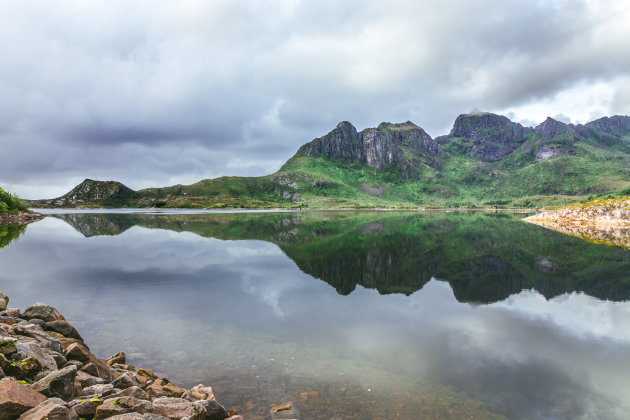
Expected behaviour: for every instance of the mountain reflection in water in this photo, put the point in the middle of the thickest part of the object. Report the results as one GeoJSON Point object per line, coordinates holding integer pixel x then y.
{"type": "Point", "coordinates": [401, 333]}
{"type": "Point", "coordinates": [485, 257]}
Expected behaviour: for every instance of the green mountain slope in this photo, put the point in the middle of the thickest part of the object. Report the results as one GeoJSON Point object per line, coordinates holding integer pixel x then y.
{"type": "Point", "coordinates": [486, 160]}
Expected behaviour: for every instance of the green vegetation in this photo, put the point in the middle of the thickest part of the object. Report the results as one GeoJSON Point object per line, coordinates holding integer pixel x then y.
{"type": "Point", "coordinates": [10, 203]}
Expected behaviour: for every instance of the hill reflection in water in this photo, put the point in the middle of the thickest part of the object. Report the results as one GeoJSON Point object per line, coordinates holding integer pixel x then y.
{"type": "Point", "coordinates": [485, 257]}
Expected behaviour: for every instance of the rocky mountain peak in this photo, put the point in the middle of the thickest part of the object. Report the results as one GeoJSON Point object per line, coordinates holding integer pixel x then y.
{"type": "Point", "coordinates": [611, 125]}
{"type": "Point", "coordinates": [408, 125]}
{"type": "Point", "coordinates": [390, 145]}
{"type": "Point", "coordinates": [480, 121]}
{"type": "Point", "coordinates": [486, 136]}
{"type": "Point", "coordinates": [551, 128]}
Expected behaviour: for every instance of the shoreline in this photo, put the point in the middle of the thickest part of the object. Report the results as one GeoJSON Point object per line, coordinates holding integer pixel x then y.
{"type": "Point", "coordinates": [47, 371]}
{"type": "Point", "coordinates": [167, 210]}
{"type": "Point", "coordinates": [20, 218]}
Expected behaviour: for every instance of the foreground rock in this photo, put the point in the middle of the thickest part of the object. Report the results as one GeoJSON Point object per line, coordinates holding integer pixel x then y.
{"type": "Point", "coordinates": [600, 221]}
{"type": "Point", "coordinates": [47, 372]}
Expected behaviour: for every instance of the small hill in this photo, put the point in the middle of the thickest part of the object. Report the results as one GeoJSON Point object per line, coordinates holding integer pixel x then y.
{"type": "Point", "coordinates": [90, 193]}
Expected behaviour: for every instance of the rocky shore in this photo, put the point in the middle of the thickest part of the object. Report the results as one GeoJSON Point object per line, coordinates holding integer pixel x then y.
{"type": "Point", "coordinates": [48, 372]}
{"type": "Point", "coordinates": [615, 212]}
{"type": "Point", "coordinates": [21, 218]}
{"type": "Point", "coordinates": [600, 221]}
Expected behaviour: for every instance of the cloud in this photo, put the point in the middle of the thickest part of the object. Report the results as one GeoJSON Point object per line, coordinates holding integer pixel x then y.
{"type": "Point", "coordinates": [236, 82]}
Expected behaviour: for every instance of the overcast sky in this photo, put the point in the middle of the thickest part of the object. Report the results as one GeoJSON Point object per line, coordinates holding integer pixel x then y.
{"type": "Point", "coordinates": [155, 93]}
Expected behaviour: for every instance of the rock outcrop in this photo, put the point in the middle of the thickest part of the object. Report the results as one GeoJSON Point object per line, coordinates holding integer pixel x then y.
{"type": "Point", "coordinates": [486, 136]}
{"type": "Point", "coordinates": [51, 374]}
{"type": "Point", "coordinates": [601, 221]}
{"type": "Point", "coordinates": [388, 146]}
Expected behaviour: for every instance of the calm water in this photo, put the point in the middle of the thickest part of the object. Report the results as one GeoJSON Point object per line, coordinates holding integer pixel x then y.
{"type": "Point", "coordinates": [361, 315]}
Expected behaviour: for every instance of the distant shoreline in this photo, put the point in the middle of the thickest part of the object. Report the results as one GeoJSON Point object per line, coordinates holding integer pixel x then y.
{"type": "Point", "coordinates": [168, 210]}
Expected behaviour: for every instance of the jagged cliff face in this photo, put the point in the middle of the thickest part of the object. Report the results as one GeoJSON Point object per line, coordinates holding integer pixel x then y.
{"type": "Point", "coordinates": [551, 128]}
{"type": "Point", "coordinates": [485, 136]}
{"type": "Point", "coordinates": [388, 146]}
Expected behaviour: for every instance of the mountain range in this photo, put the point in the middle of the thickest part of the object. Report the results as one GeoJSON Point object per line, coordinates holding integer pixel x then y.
{"type": "Point", "coordinates": [486, 160]}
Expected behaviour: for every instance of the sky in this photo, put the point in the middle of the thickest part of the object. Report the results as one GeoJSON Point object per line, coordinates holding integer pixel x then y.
{"type": "Point", "coordinates": [156, 93]}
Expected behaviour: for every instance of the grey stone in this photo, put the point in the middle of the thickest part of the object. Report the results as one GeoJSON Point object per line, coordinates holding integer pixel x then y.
{"type": "Point", "coordinates": [126, 380]}
{"type": "Point", "coordinates": [85, 380]}
{"type": "Point", "coordinates": [36, 332]}
{"type": "Point", "coordinates": [51, 409]}
{"type": "Point", "coordinates": [16, 399]}
{"type": "Point", "coordinates": [135, 391]}
{"type": "Point", "coordinates": [42, 311]}
{"type": "Point", "coordinates": [35, 350]}
{"type": "Point", "coordinates": [64, 328]}
{"type": "Point", "coordinates": [176, 408]}
{"type": "Point", "coordinates": [214, 410]}
{"type": "Point", "coordinates": [137, 416]}
{"type": "Point", "coordinates": [99, 389]}
{"type": "Point", "coordinates": [57, 384]}
{"type": "Point", "coordinates": [4, 301]}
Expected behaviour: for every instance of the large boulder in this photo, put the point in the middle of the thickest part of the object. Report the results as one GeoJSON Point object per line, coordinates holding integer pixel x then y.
{"type": "Point", "coordinates": [136, 392]}
{"type": "Point", "coordinates": [64, 328]}
{"type": "Point", "coordinates": [176, 408]}
{"type": "Point", "coordinates": [58, 384]}
{"type": "Point", "coordinates": [51, 409]}
{"type": "Point", "coordinates": [108, 410]}
{"type": "Point", "coordinates": [214, 410]}
{"type": "Point", "coordinates": [84, 380]}
{"type": "Point", "coordinates": [99, 390]}
{"type": "Point", "coordinates": [42, 311]}
{"type": "Point", "coordinates": [7, 345]}
{"type": "Point", "coordinates": [93, 365]}
{"type": "Point", "coordinates": [36, 332]}
{"type": "Point", "coordinates": [137, 416]}
{"type": "Point", "coordinates": [87, 408]}
{"type": "Point", "coordinates": [4, 301]}
{"type": "Point", "coordinates": [35, 350]}
{"type": "Point", "coordinates": [126, 380]}
{"type": "Point", "coordinates": [136, 405]}
{"type": "Point", "coordinates": [24, 369]}
{"type": "Point", "coordinates": [163, 388]}
{"type": "Point", "coordinates": [202, 392]}
{"type": "Point", "coordinates": [118, 358]}
{"type": "Point", "coordinates": [16, 399]}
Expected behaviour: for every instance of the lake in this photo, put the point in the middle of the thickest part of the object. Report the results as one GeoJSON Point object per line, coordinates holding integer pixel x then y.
{"type": "Point", "coordinates": [353, 315]}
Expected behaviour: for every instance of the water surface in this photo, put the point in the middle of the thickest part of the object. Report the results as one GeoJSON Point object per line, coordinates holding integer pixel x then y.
{"type": "Point", "coordinates": [344, 314]}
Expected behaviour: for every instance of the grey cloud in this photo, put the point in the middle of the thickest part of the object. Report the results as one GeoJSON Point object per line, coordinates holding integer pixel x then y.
{"type": "Point", "coordinates": [239, 81]}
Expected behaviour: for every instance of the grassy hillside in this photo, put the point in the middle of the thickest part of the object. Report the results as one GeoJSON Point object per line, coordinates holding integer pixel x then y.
{"type": "Point", "coordinates": [10, 203]}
